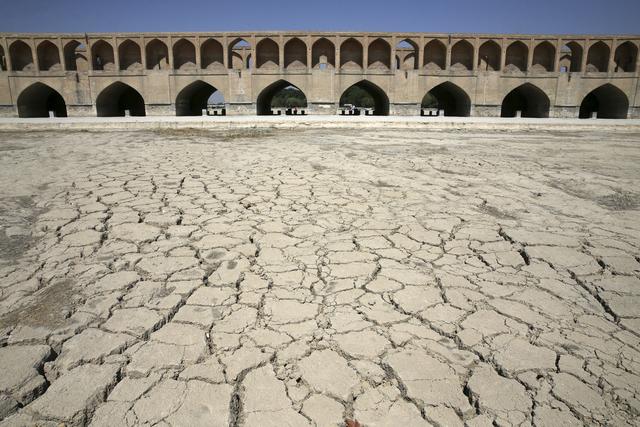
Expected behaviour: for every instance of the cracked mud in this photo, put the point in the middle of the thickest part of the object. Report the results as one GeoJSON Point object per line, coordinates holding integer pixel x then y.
{"type": "Point", "coordinates": [302, 278]}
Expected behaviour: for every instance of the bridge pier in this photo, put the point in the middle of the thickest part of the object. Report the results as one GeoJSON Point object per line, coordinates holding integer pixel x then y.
{"type": "Point", "coordinates": [404, 109]}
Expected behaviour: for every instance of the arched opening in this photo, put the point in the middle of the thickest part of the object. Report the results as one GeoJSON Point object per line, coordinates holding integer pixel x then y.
{"type": "Point", "coordinates": [323, 54]}
{"type": "Point", "coordinates": [102, 53]}
{"type": "Point", "coordinates": [21, 57]}
{"type": "Point", "coordinates": [184, 55]}
{"type": "Point", "coordinates": [530, 100]}
{"type": "Point", "coordinates": [571, 57]}
{"type": "Point", "coordinates": [364, 95]}
{"type": "Point", "coordinates": [75, 56]}
{"type": "Point", "coordinates": [598, 58]}
{"type": "Point", "coordinates": [406, 55]}
{"type": "Point", "coordinates": [450, 98]}
{"type": "Point", "coordinates": [130, 57]}
{"type": "Point", "coordinates": [435, 55]}
{"type": "Point", "coordinates": [462, 56]}
{"type": "Point", "coordinates": [38, 99]}
{"type": "Point", "coordinates": [625, 57]}
{"type": "Point", "coordinates": [3, 60]}
{"type": "Point", "coordinates": [239, 53]}
{"type": "Point", "coordinates": [516, 57]}
{"type": "Point", "coordinates": [211, 54]}
{"type": "Point", "coordinates": [281, 94]}
{"type": "Point", "coordinates": [118, 98]}
{"type": "Point", "coordinates": [157, 55]}
{"type": "Point", "coordinates": [267, 54]}
{"type": "Point", "coordinates": [295, 54]}
{"type": "Point", "coordinates": [196, 97]}
{"type": "Point", "coordinates": [351, 54]}
{"type": "Point", "coordinates": [379, 53]}
{"type": "Point", "coordinates": [489, 56]}
{"type": "Point", "coordinates": [544, 57]}
{"type": "Point", "coordinates": [607, 101]}
{"type": "Point", "coordinates": [48, 56]}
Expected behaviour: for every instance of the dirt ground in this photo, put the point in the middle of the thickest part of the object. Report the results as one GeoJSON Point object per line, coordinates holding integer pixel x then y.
{"type": "Point", "coordinates": [271, 277]}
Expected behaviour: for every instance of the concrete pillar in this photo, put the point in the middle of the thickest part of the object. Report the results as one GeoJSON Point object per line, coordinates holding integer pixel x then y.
{"type": "Point", "coordinates": [420, 57]}
{"type": "Point", "coordinates": [337, 54]}
{"type": "Point", "coordinates": [225, 52]}
{"type": "Point", "coordinates": [254, 60]}
{"type": "Point", "coordinates": [365, 53]}
{"type": "Point", "coordinates": [170, 48]}
{"type": "Point", "coordinates": [532, 45]}
{"type": "Point", "coordinates": [613, 44]}
{"type": "Point", "coordinates": [556, 60]}
{"type": "Point", "coordinates": [60, 53]}
{"type": "Point", "coordinates": [394, 66]}
{"type": "Point", "coordinates": [7, 57]}
{"type": "Point", "coordinates": [309, 57]}
{"type": "Point", "coordinates": [585, 54]}
{"type": "Point", "coordinates": [476, 53]}
{"type": "Point", "coordinates": [503, 54]}
{"type": "Point", "coordinates": [198, 53]}
{"type": "Point", "coordinates": [116, 53]}
{"type": "Point", "coordinates": [34, 55]}
{"type": "Point", "coordinates": [89, 53]}
{"type": "Point", "coordinates": [280, 52]}
{"type": "Point", "coordinates": [143, 52]}
{"type": "Point", "coordinates": [447, 63]}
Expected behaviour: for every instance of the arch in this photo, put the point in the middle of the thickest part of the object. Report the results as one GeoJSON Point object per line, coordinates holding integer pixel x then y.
{"type": "Point", "coordinates": [48, 56]}
{"type": "Point", "coordinates": [265, 98]}
{"type": "Point", "coordinates": [118, 97]}
{"type": "Point", "coordinates": [571, 57]}
{"type": "Point", "coordinates": [351, 54]}
{"type": "Point", "coordinates": [239, 53]}
{"type": "Point", "coordinates": [448, 97]}
{"type": "Point", "coordinates": [38, 99]}
{"type": "Point", "coordinates": [607, 101]}
{"type": "Point", "coordinates": [102, 54]}
{"type": "Point", "coordinates": [598, 58]}
{"type": "Point", "coordinates": [625, 57]}
{"type": "Point", "coordinates": [75, 58]}
{"type": "Point", "coordinates": [530, 100]}
{"type": "Point", "coordinates": [323, 52]}
{"type": "Point", "coordinates": [129, 54]}
{"type": "Point", "coordinates": [380, 100]}
{"type": "Point", "coordinates": [3, 60]}
{"type": "Point", "coordinates": [435, 55]}
{"type": "Point", "coordinates": [21, 56]}
{"type": "Point", "coordinates": [544, 57]}
{"type": "Point", "coordinates": [379, 55]}
{"type": "Point", "coordinates": [489, 56]}
{"type": "Point", "coordinates": [211, 54]}
{"type": "Point", "coordinates": [295, 54]}
{"type": "Point", "coordinates": [194, 98]}
{"type": "Point", "coordinates": [184, 55]}
{"type": "Point", "coordinates": [516, 57]}
{"type": "Point", "coordinates": [157, 54]}
{"type": "Point", "coordinates": [407, 55]}
{"type": "Point", "coordinates": [267, 54]}
{"type": "Point", "coordinates": [462, 56]}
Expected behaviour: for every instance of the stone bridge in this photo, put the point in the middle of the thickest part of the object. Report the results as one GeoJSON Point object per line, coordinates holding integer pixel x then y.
{"type": "Point", "coordinates": [175, 73]}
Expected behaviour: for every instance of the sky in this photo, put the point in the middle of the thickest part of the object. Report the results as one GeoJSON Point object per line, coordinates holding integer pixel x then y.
{"type": "Point", "coordinates": [445, 16]}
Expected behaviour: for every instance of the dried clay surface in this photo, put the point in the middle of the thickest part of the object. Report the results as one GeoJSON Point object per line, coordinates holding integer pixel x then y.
{"type": "Point", "coordinates": [308, 277]}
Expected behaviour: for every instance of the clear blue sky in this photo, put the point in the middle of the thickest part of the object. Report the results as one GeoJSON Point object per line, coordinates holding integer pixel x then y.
{"type": "Point", "coordinates": [500, 16]}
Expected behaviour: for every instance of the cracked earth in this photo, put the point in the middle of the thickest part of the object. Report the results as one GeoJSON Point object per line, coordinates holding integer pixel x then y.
{"type": "Point", "coordinates": [292, 278]}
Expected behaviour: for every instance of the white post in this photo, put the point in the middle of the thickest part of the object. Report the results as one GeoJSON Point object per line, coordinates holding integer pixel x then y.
{"type": "Point", "coordinates": [204, 111]}
{"type": "Point", "coordinates": [518, 114]}
{"type": "Point", "coordinates": [52, 114]}
{"type": "Point", "coordinates": [127, 113]}
{"type": "Point", "coordinates": [594, 114]}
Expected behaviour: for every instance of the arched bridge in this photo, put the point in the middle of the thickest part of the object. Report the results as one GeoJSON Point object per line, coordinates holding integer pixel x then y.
{"type": "Point", "coordinates": [458, 74]}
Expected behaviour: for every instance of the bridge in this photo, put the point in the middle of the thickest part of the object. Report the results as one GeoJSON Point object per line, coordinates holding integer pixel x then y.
{"type": "Point", "coordinates": [489, 75]}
